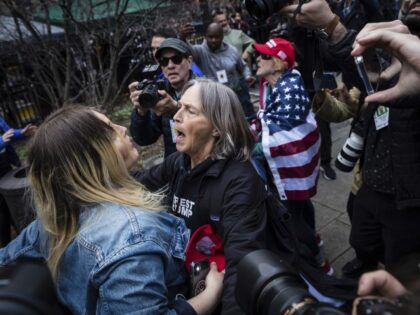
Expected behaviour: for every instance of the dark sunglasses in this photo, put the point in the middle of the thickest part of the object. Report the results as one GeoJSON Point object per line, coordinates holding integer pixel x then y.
{"type": "Point", "coordinates": [265, 57]}
{"type": "Point", "coordinates": [176, 59]}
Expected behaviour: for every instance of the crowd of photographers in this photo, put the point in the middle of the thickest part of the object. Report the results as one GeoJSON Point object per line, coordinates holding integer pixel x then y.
{"type": "Point", "coordinates": [219, 178]}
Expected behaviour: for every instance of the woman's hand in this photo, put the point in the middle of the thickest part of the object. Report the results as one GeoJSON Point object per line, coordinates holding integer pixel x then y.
{"type": "Point", "coordinates": [206, 301]}
{"type": "Point", "coordinates": [214, 282]}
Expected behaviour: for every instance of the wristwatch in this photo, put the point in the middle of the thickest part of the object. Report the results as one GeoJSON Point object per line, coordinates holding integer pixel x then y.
{"type": "Point", "coordinates": [325, 33]}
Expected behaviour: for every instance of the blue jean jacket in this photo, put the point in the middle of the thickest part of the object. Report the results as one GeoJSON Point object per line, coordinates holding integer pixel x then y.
{"type": "Point", "coordinates": [123, 260]}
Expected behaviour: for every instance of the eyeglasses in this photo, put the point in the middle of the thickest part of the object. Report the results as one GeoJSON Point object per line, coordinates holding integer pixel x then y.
{"type": "Point", "coordinates": [176, 59]}
{"type": "Point", "coordinates": [265, 57]}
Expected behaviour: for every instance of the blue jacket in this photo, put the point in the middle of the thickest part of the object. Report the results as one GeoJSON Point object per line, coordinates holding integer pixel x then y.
{"type": "Point", "coordinates": [11, 154]}
{"type": "Point", "coordinates": [123, 260]}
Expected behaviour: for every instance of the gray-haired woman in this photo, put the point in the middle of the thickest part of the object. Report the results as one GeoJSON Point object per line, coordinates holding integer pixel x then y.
{"type": "Point", "coordinates": [210, 179]}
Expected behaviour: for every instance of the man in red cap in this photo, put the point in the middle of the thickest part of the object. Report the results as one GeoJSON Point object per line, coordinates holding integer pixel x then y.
{"type": "Point", "coordinates": [290, 139]}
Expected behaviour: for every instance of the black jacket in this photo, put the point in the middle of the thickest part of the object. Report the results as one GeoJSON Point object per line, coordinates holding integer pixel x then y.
{"type": "Point", "coordinates": [404, 148]}
{"type": "Point", "coordinates": [228, 194]}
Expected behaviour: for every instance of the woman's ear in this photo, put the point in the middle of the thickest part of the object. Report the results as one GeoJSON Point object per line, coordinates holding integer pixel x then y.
{"type": "Point", "coordinates": [215, 133]}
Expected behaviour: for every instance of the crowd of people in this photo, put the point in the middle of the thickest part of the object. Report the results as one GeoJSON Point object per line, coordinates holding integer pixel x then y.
{"type": "Point", "coordinates": [116, 239]}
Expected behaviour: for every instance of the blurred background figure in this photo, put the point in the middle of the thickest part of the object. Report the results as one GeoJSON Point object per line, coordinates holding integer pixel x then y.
{"type": "Point", "coordinates": [8, 160]}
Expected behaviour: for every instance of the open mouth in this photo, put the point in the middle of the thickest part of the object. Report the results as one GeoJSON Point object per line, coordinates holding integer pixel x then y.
{"type": "Point", "coordinates": [179, 135]}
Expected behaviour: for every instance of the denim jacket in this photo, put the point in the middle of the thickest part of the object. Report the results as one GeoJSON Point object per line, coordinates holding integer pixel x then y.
{"type": "Point", "coordinates": [123, 260]}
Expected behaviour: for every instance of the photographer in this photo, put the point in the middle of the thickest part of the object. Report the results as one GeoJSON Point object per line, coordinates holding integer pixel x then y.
{"type": "Point", "coordinates": [385, 215]}
{"type": "Point", "coordinates": [175, 58]}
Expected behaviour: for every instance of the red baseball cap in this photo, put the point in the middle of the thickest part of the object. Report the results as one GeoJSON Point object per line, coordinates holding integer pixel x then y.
{"type": "Point", "coordinates": [205, 244]}
{"type": "Point", "coordinates": [278, 47]}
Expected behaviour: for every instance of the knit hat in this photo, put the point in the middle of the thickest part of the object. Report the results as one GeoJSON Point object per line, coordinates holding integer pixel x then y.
{"type": "Point", "coordinates": [278, 47]}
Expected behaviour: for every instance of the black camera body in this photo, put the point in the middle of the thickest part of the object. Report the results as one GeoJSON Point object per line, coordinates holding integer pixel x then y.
{"type": "Point", "coordinates": [149, 85]}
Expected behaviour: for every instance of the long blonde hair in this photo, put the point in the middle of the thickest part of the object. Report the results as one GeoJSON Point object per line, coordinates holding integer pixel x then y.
{"type": "Point", "coordinates": [73, 162]}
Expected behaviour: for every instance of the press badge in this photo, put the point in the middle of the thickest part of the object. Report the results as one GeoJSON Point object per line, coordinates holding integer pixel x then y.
{"type": "Point", "coordinates": [222, 76]}
{"type": "Point", "coordinates": [381, 117]}
{"type": "Point", "coordinates": [173, 131]}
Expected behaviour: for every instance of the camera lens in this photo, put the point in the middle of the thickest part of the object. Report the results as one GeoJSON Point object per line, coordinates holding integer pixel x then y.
{"type": "Point", "coordinates": [352, 150]}
{"type": "Point", "coordinates": [267, 284]}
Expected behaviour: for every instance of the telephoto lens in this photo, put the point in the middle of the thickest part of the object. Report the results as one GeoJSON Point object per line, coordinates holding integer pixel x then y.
{"type": "Point", "coordinates": [267, 285]}
{"type": "Point", "coordinates": [352, 149]}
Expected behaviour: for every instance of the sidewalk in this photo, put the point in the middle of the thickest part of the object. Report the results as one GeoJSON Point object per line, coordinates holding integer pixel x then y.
{"type": "Point", "coordinates": [330, 203]}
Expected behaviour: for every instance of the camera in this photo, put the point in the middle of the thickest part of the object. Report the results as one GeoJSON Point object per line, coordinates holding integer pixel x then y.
{"type": "Point", "coordinates": [150, 85]}
{"type": "Point", "coordinates": [268, 285]}
{"type": "Point", "coordinates": [352, 149]}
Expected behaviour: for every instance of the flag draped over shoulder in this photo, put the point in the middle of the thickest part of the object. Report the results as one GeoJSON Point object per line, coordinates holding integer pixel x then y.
{"type": "Point", "coordinates": [290, 137]}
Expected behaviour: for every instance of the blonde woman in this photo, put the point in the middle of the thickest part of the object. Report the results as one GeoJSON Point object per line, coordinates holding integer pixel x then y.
{"type": "Point", "coordinates": [109, 247]}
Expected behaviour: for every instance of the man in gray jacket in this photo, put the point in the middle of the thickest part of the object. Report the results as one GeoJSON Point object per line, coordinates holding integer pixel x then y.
{"type": "Point", "coordinates": [222, 63]}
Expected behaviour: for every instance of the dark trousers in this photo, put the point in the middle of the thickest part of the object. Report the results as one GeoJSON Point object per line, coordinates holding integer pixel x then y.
{"type": "Point", "coordinates": [380, 232]}
{"type": "Point", "coordinates": [325, 131]}
{"type": "Point", "coordinates": [303, 218]}
{"type": "Point", "coordinates": [350, 205]}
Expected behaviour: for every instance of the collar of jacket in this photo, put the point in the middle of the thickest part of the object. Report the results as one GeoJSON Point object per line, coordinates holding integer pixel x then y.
{"type": "Point", "coordinates": [213, 170]}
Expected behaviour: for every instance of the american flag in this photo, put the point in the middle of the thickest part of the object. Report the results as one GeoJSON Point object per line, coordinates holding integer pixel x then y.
{"type": "Point", "coordinates": [290, 137]}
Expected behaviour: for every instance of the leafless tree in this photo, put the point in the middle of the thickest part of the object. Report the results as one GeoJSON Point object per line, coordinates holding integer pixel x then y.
{"type": "Point", "coordinates": [101, 45]}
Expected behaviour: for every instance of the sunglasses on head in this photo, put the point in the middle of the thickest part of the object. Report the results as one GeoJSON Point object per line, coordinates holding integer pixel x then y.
{"type": "Point", "coordinates": [176, 59]}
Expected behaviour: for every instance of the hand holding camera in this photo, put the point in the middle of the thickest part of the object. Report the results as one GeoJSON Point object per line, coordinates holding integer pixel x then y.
{"type": "Point", "coordinates": [393, 296]}
{"type": "Point", "coordinates": [150, 93]}
{"type": "Point", "coordinates": [206, 300]}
